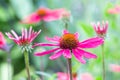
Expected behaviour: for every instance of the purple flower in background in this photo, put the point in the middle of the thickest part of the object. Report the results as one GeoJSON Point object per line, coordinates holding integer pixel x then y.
{"type": "Point", "coordinates": [68, 44]}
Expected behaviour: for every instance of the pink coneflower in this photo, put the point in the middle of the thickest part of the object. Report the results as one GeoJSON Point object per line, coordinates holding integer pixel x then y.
{"type": "Point", "coordinates": [86, 76]}
{"type": "Point", "coordinates": [43, 14]}
{"type": "Point", "coordinates": [101, 30]}
{"type": "Point", "coordinates": [115, 68]}
{"type": "Point", "coordinates": [64, 76]}
{"type": "Point", "coordinates": [2, 41]}
{"type": "Point", "coordinates": [115, 10]}
{"type": "Point", "coordinates": [69, 43]}
{"type": "Point", "coordinates": [25, 39]}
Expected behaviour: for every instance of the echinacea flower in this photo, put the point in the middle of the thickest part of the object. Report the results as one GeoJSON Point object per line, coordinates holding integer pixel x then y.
{"type": "Point", "coordinates": [115, 10]}
{"type": "Point", "coordinates": [101, 30]}
{"type": "Point", "coordinates": [86, 76]}
{"type": "Point", "coordinates": [2, 41]}
{"type": "Point", "coordinates": [64, 76]}
{"type": "Point", "coordinates": [43, 14]}
{"type": "Point", "coordinates": [25, 39]}
{"type": "Point", "coordinates": [68, 44]}
{"type": "Point", "coordinates": [115, 68]}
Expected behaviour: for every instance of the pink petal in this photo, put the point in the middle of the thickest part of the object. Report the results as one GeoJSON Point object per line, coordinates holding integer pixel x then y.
{"type": "Point", "coordinates": [65, 32]}
{"type": "Point", "coordinates": [44, 44]}
{"type": "Point", "coordinates": [26, 34]}
{"type": "Point", "coordinates": [115, 68]}
{"type": "Point", "coordinates": [2, 40]}
{"type": "Point", "coordinates": [30, 31]}
{"type": "Point", "coordinates": [91, 43]}
{"type": "Point", "coordinates": [9, 35]}
{"type": "Point", "coordinates": [62, 76]}
{"type": "Point", "coordinates": [53, 15]}
{"type": "Point", "coordinates": [87, 54]}
{"type": "Point", "coordinates": [45, 52]}
{"type": "Point", "coordinates": [56, 55]}
{"type": "Point", "coordinates": [54, 39]}
{"type": "Point", "coordinates": [33, 18]}
{"type": "Point", "coordinates": [15, 35]}
{"type": "Point", "coordinates": [78, 56]}
{"type": "Point", "coordinates": [23, 34]}
{"type": "Point", "coordinates": [86, 76]}
{"type": "Point", "coordinates": [112, 11]}
{"type": "Point", "coordinates": [35, 34]}
{"type": "Point", "coordinates": [67, 53]}
{"type": "Point", "coordinates": [77, 35]}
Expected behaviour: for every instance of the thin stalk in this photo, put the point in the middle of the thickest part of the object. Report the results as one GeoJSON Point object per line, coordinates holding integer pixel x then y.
{"type": "Point", "coordinates": [42, 67]}
{"type": "Point", "coordinates": [69, 68]}
{"type": "Point", "coordinates": [27, 64]}
{"type": "Point", "coordinates": [66, 26]}
{"type": "Point", "coordinates": [103, 62]}
{"type": "Point", "coordinates": [9, 63]}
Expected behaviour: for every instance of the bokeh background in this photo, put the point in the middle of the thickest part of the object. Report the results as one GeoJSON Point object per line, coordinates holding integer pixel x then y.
{"type": "Point", "coordinates": [83, 12]}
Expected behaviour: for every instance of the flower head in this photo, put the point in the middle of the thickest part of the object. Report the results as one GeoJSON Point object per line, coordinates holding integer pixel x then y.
{"type": "Point", "coordinates": [64, 76]}
{"type": "Point", "coordinates": [86, 76]}
{"type": "Point", "coordinates": [2, 41]}
{"type": "Point", "coordinates": [101, 30]}
{"type": "Point", "coordinates": [25, 39]}
{"type": "Point", "coordinates": [115, 10]}
{"type": "Point", "coordinates": [43, 14]}
{"type": "Point", "coordinates": [115, 68]}
{"type": "Point", "coordinates": [68, 43]}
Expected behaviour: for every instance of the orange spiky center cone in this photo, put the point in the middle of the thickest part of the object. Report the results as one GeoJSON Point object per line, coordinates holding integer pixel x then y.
{"type": "Point", "coordinates": [41, 12]}
{"type": "Point", "coordinates": [68, 41]}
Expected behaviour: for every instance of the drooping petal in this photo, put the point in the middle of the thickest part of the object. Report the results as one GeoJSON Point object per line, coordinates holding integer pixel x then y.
{"type": "Point", "coordinates": [78, 56]}
{"type": "Point", "coordinates": [31, 19]}
{"type": "Point", "coordinates": [67, 53]}
{"type": "Point", "coordinates": [56, 55]}
{"type": "Point", "coordinates": [87, 54]}
{"type": "Point", "coordinates": [45, 52]}
{"type": "Point", "coordinates": [45, 44]}
{"type": "Point", "coordinates": [91, 43]}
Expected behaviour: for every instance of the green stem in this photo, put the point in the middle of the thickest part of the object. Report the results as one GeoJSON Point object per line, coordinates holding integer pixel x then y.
{"type": "Point", "coordinates": [9, 63]}
{"type": "Point", "coordinates": [42, 67]}
{"type": "Point", "coordinates": [69, 68]}
{"type": "Point", "coordinates": [66, 26]}
{"type": "Point", "coordinates": [103, 62]}
{"type": "Point", "coordinates": [27, 63]}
